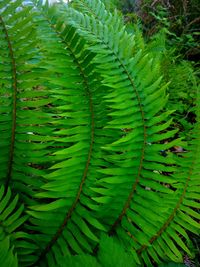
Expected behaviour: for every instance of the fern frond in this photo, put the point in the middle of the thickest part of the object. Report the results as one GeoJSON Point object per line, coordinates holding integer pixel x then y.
{"type": "Point", "coordinates": [183, 216]}
{"type": "Point", "coordinates": [35, 137]}
{"type": "Point", "coordinates": [5, 109]}
{"type": "Point", "coordinates": [74, 225]}
{"type": "Point", "coordinates": [123, 70]}
{"type": "Point", "coordinates": [25, 99]}
{"type": "Point", "coordinates": [8, 110]}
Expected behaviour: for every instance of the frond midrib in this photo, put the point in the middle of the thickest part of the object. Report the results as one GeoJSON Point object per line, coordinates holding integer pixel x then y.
{"type": "Point", "coordinates": [14, 110]}
{"type": "Point", "coordinates": [127, 204]}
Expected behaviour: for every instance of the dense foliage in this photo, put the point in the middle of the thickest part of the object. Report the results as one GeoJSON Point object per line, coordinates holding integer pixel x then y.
{"type": "Point", "coordinates": [88, 173]}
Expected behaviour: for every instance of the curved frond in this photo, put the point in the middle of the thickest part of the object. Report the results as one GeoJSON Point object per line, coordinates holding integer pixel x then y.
{"type": "Point", "coordinates": [183, 216]}
{"type": "Point", "coordinates": [25, 99]}
{"type": "Point", "coordinates": [77, 153]}
{"type": "Point", "coordinates": [8, 109]}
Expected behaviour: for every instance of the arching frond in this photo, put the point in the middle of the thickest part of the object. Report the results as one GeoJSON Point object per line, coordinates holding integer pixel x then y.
{"type": "Point", "coordinates": [26, 98]}
{"type": "Point", "coordinates": [75, 225]}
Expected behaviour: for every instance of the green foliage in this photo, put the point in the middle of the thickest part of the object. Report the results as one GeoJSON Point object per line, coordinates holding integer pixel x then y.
{"type": "Point", "coordinates": [182, 90]}
{"type": "Point", "coordinates": [111, 253]}
{"type": "Point", "coordinates": [179, 18]}
{"type": "Point", "coordinates": [84, 119]}
{"type": "Point", "coordinates": [176, 27]}
{"type": "Point", "coordinates": [183, 80]}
